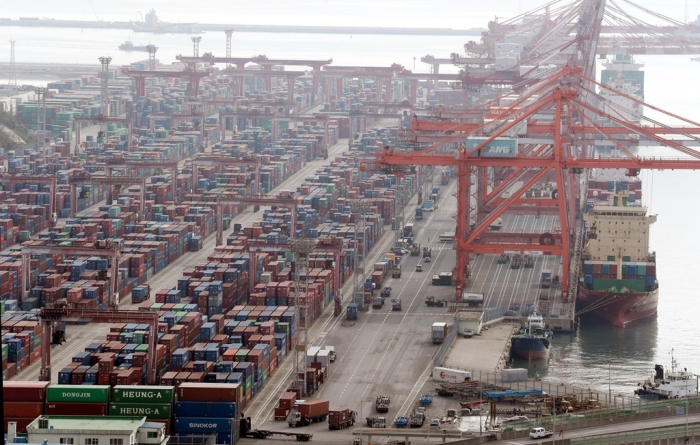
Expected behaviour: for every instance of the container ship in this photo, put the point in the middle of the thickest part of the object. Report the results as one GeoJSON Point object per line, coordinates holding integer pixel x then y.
{"type": "Point", "coordinates": [533, 341]}
{"type": "Point", "coordinates": [619, 273]}
{"type": "Point", "coordinates": [152, 23]}
{"type": "Point", "coordinates": [129, 46]}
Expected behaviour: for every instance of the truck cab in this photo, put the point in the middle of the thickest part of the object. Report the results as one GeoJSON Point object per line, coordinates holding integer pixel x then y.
{"type": "Point", "coordinates": [546, 279]}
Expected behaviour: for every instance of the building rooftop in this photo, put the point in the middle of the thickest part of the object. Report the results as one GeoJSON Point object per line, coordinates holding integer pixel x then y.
{"type": "Point", "coordinates": [81, 424]}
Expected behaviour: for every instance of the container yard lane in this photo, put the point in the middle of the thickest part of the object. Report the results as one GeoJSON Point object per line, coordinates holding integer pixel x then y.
{"type": "Point", "coordinates": [77, 336]}
{"type": "Point", "coordinates": [384, 351]}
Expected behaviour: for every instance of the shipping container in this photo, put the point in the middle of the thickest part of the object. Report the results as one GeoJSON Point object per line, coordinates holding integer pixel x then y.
{"type": "Point", "coordinates": [149, 410]}
{"type": "Point", "coordinates": [78, 393]}
{"type": "Point", "coordinates": [143, 394]}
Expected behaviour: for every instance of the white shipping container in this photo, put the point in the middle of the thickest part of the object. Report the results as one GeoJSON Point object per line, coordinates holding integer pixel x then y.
{"type": "Point", "coordinates": [311, 355]}
{"type": "Point", "coordinates": [323, 357]}
{"type": "Point", "coordinates": [451, 375]}
{"type": "Point", "coordinates": [514, 375]}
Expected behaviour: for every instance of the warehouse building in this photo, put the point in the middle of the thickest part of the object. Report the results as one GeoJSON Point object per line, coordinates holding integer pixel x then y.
{"type": "Point", "coordinates": [78, 430]}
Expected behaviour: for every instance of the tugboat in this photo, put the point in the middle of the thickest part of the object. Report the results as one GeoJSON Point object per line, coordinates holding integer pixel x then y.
{"type": "Point", "coordinates": [664, 384]}
{"type": "Point", "coordinates": [533, 341]}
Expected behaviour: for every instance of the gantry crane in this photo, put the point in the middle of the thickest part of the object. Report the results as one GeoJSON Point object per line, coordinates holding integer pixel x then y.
{"type": "Point", "coordinates": [237, 200]}
{"type": "Point", "coordinates": [130, 166]}
{"type": "Point", "coordinates": [562, 153]}
{"type": "Point", "coordinates": [213, 160]}
{"type": "Point", "coordinates": [11, 180]}
{"type": "Point", "coordinates": [82, 177]}
{"type": "Point", "coordinates": [192, 75]}
{"type": "Point", "coordinates": [100, 119]}
{"type": "Point", "coordinates": [101, 248]}
{"type": "Point", "coordinates": [179, 117]}
{"type": "Point", "coordinates": [50, 315]}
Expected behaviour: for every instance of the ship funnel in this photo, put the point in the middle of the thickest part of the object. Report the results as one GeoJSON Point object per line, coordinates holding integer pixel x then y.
{"type": "Point", "coordinates": [659, 372]}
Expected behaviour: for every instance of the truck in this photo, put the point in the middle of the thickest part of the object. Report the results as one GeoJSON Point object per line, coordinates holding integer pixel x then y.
{"type": "Point", "coordinates": [378, 303]}
{"type": "Point", "coordinates": [431, 301]}
{"type": "Point", "coordinates": [428, 206]}
{"type": "Point", "coordinates": [451, 375]}
{"type": "Point", "coordinates": [427, 252]}
{"type": "Point", "coordinates": [540, 433]}
{"type": "Point", "coordinates": [442, 279]}
{"type": "Point", "coordinates": [472, 299]}
{"type": "Point", "coordinates": [396, 272]}
{"type": "Point", "coordinates": [415, 250]}
{"type": "Point", "coordinates": [339, 419]}
{"type": "Point", "coordinates": [352, 311]}
{"type": "Point", "coordinates": [331, 352]}
{"type": "Point", "coordinates": [438, 332]}
{"type": "Point", "coordinates": [381, 404]}
{"type": "Point", "coordinates": [497, 224]}
{"type": "Point", "coordinates": [419, 213]}
{"type": "Point", "coordinates": [529, 261]}
{"type": "Point", "coordinates": [515, 261]}
{"type": "Point", "coordinates": [546, 279]}
{"type": "Point", "coordinates": [307, 412]}
{"type": "Point", "coordinates": [245, 430]}
{"type": "Point", "coordinates": [396, 305]}
{"type": "Point", "coordinates": [376, 422]}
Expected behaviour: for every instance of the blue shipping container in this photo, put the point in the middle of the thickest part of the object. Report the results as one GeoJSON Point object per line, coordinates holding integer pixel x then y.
{"type": "Point", "coordinates": [205, 425]}
{"type": "Point", "coordinates": [205, 409]}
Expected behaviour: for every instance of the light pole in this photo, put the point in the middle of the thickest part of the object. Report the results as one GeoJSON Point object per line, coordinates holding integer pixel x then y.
{"type": "Point", "coordinates": [609, 387]}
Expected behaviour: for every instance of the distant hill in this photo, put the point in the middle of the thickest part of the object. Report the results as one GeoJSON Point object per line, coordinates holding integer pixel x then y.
{"type": "Point", "coordinates": [7, 139]}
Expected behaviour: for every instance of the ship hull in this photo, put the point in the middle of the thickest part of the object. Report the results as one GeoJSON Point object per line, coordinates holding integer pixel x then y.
{"type": "Point", "coordinates": [530, 348]}
{"type": "Point", "coordinates": [619, 309]}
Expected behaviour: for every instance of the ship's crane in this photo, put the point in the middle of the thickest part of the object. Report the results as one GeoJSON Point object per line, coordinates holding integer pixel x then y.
{"type": "Point", "coordinates": [50, 315]}
{"type": "Point", "coordinates": [101, 248]}
{"type": "Point", "coordinates": [100, 119]}
{"type": "Point", "coordinates": [212, 160]}
{"type": "Point", "coordinates": [81, 177]}
{"type": "Point", "coordinates": [237, 200]}
{"type": "Point", "coordinates": [564, 156]}
{"type": "Point", "coordinates": [12, 180]}
{"type": "Point", "coordinates": [121, 163]}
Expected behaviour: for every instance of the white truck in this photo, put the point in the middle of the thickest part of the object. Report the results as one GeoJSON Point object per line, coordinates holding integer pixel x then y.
{"type": "Point", "coordinates": [451, 375]}
{"type": "Point", "coordinates": [331, 354]}
{"type": "Point", "coordinates": [540, 433]}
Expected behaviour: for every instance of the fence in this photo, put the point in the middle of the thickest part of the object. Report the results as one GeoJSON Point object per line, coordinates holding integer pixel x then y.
{"type": "Point", "coordinates": [446, 345]}
{"type": "Point", "coordinates": [667, 434]}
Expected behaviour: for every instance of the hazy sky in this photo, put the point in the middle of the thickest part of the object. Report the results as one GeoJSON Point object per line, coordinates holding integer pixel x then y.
{"type": "Point", "coordinates": [392, 13]}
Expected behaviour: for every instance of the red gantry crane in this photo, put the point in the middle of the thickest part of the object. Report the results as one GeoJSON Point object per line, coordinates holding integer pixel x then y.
{"type": "Point", "coordinates": [564, 129]}
{"type": "Point", "coordinates": [213, 160]}
{"type": "Point", "coordinates": [132, 166]}
{"type": "Point", "coordinates": [81, 177]}
{"type": "Point", "coordinates": [101, 248]}
{"type": "Point", "coordinates": [50, 315]}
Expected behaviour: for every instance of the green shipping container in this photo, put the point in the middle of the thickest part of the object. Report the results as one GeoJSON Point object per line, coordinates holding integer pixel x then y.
{"type": "Point", "coordinates": [141, 393]}
{"type": "Point", "coordinates": [78, 393]}
{"type": "Point", "coordinates": [150, 410]}
{"type": "Point", "coordinates": [637, 285]}
{"type": "Point", "coordinates": [4, 352]}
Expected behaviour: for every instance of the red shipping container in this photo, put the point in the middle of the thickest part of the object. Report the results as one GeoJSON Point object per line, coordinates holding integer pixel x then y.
{"type": "Point", "coordinates": [24, 409]}
{"type": "Point", "coordinates": [21, 423]}
{"type": "Point", "coordinates": [24, 391]}
{"type": "Point", "coordinates": [209, 392]}
{"type": "Point", "coordinates": [77, 409]}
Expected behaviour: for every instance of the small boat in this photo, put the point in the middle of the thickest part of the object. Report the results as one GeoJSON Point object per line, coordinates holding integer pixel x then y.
{"type": "Point", "coordinates": [533, 341]}
{"type": "Point", "coordinates": [129, 46]}
{"type": "Point", "coordinates": [665, 384]}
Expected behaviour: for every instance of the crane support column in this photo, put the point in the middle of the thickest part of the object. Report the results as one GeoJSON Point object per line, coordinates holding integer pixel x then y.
{"type": "Point", "coordinates": [463, 206]}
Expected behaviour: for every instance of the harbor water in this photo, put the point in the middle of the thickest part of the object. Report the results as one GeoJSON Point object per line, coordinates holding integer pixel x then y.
{"type": "Point", "coordinates": [596, 355]}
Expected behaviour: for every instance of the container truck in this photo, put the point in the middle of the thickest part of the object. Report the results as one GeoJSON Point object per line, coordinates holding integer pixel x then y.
{"type": "Point", "coordinates": [451, 375]}
{"type": "Point", "coordinates": [331, 352]}
{"type": "Point", "coordinates": [307, 412]}
{"type": "Point", "coordinates": [472, 299]}
{"type": "Point", "coordinates": [352, 311]}
{"type": "Point", "coordinates": [438, 332]}
{"type": "Point", "coordinates": [339, 419]}
{"type": "Point", "coordinates": [419, 213]}
{"type": "Point", "coordinates": [546, 279]}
